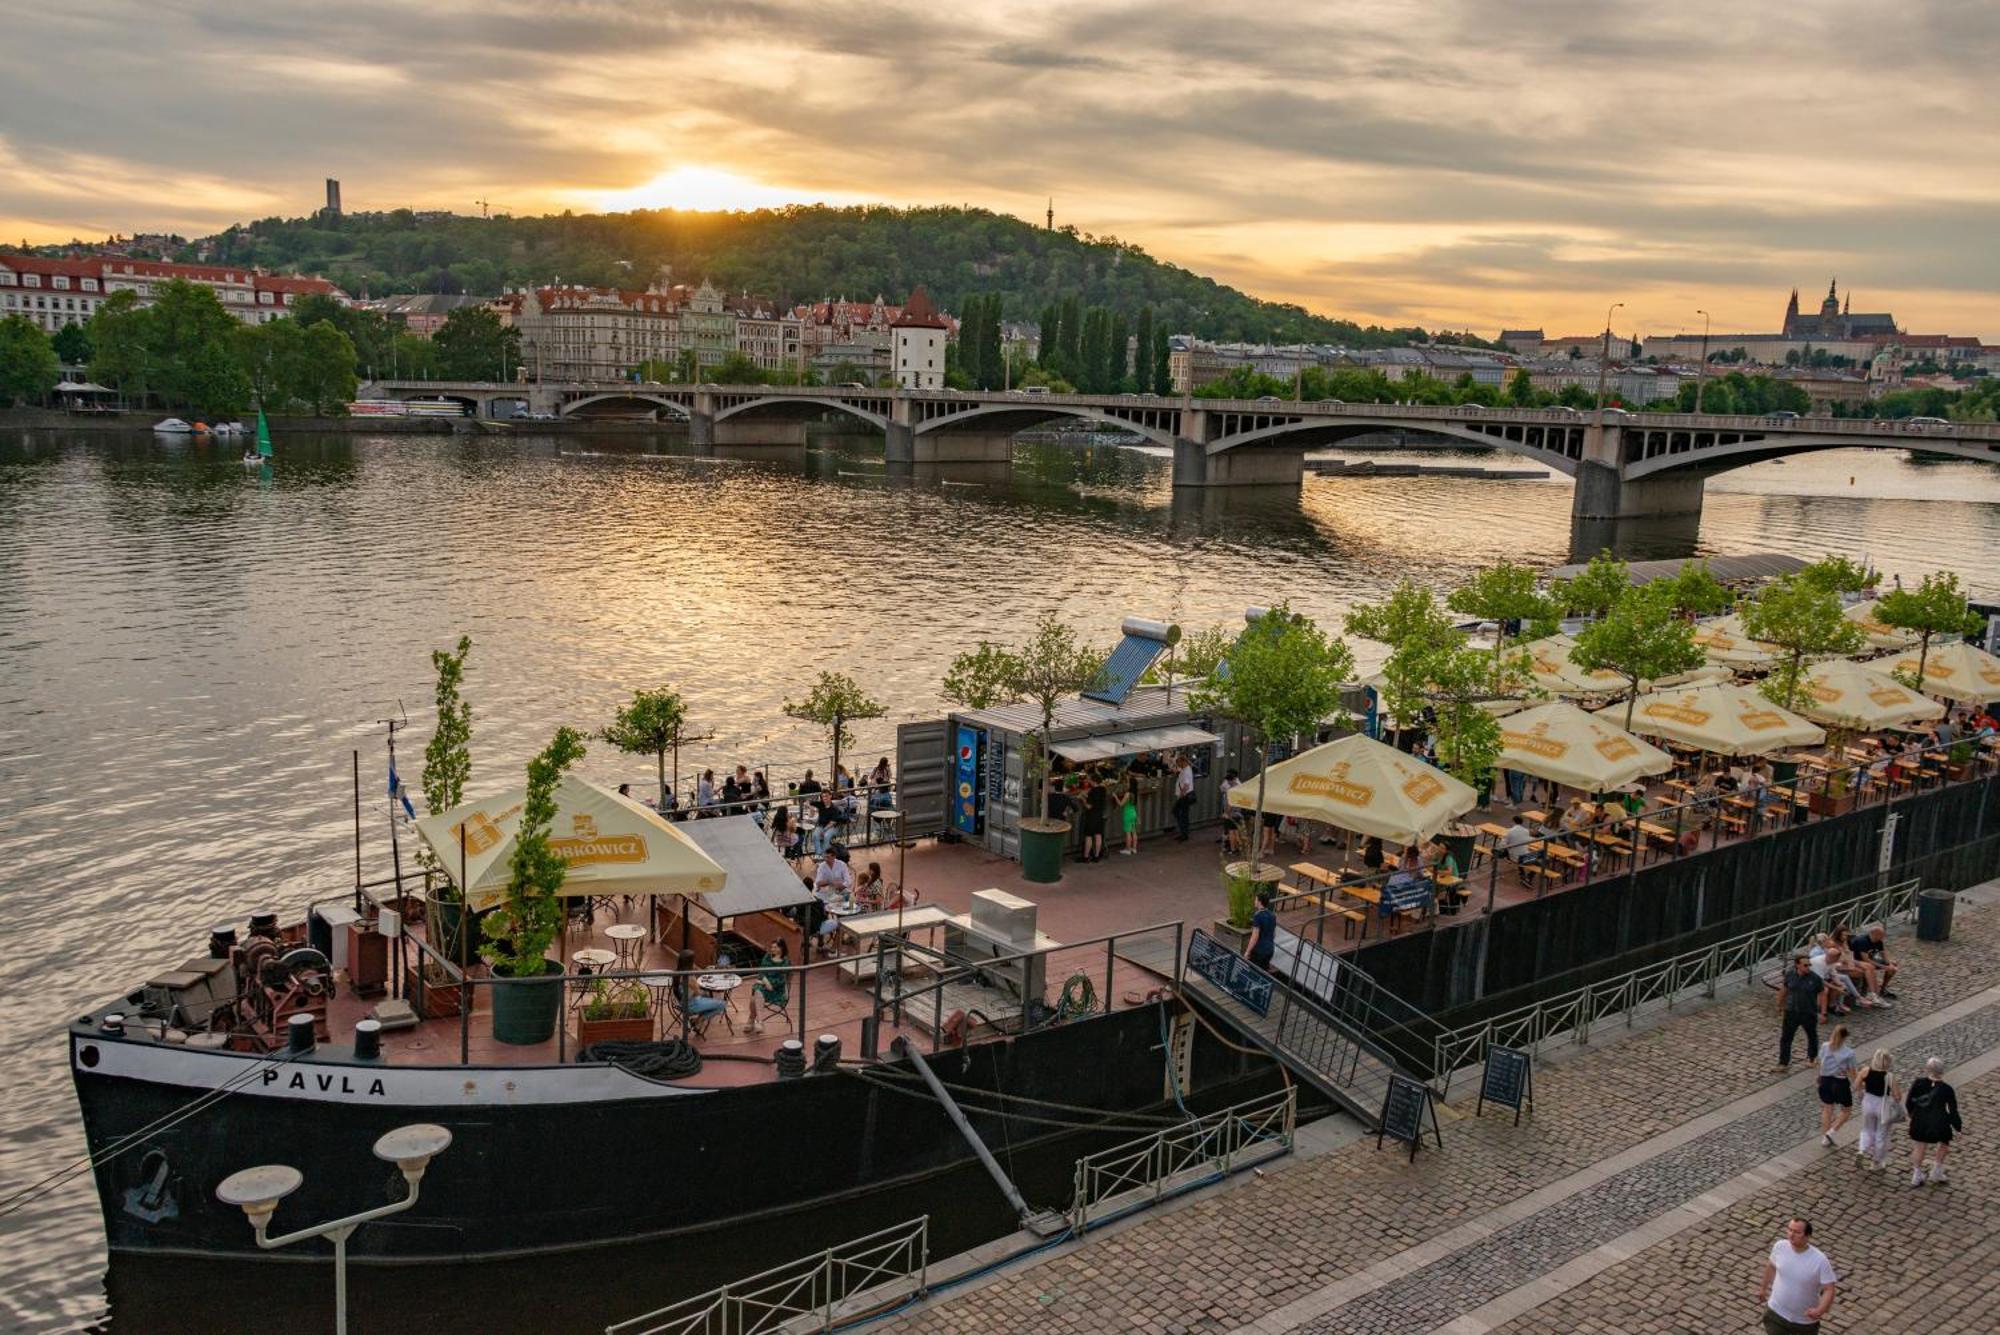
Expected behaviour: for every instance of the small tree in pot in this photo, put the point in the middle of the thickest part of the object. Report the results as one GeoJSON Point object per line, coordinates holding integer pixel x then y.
{"type": "Point", "coordinates": [835, 701]}
{"type": "Point", "coordinates": [1283, 680]}
{"type": "Point", "coordinates": [1935, 609]}
{"type": "Point", "coordinates": [1051, 666]}
{"type": "Point", "coordinates": [447, 767]}
{"type": "Point", "coordinates": [652, 725]}
{"type": "Point", "coordinates": [531, 917]}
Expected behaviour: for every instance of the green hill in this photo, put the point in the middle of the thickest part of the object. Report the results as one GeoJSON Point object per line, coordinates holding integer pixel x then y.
{"type": "Point", "coordinates": [795, 254]}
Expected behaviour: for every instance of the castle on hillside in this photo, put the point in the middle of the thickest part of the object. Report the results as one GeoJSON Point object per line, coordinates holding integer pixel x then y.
{"type": "Point", "coordinates": [1835, 321]}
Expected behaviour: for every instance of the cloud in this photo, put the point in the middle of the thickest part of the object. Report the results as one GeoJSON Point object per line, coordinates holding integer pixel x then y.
{"type": "Point", "coordinates": [1455, 161]}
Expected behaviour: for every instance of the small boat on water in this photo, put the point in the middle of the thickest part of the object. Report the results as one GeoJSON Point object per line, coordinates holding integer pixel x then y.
{"type": "Point", "coordinates": [173, 426]}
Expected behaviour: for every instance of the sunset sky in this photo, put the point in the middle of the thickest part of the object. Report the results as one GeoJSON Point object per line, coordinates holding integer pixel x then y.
{"type": "Point", "coordinates": [1463, 162]}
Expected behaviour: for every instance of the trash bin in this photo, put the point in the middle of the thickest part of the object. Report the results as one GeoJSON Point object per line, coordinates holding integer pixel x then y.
{"type": "Point", "coordinates": [1934, 915]}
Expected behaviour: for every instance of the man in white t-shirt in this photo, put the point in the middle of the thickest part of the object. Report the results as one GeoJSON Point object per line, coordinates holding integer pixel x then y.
{"type": "Point", "coordinates": [1798, 1286]}
{"type": "Point", "coordinates": [832, 880]}
{"type": "Point", "coordinates": [1183, 796]}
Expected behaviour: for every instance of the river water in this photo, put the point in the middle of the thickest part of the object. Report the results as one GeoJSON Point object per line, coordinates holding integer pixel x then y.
{"type": "Point", "coordinates": [191, 650]}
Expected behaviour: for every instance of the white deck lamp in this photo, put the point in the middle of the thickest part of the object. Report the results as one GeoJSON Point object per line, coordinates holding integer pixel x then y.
{"type": "Point", "coordinates": [258, 1190]}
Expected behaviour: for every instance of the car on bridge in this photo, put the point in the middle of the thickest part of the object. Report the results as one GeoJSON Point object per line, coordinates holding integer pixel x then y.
{"type": "Point", "coordinates": [1926, 424]}
{"type": "Point", "coordinates": [1781, 415]}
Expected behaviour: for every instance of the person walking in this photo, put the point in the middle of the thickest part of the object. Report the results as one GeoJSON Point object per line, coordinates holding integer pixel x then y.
{"type": "Point", "coordinates": [1878, 1096]}
{"type": "Point", "coordinates": [1096, 798]}
{"type": "Point", "coordinates": [1798, 1003]}
{"type": "Point", "coordinates": [1183, 797]}
{"type": "Point", "coordinates": [1836, 1084]}
{"type": "Point", "coordinates": [1933, 1107]}
{"type": "Point", "coordinates": [1799, 1284]}
{"type": "Point", "coordinates": [1264, 932]}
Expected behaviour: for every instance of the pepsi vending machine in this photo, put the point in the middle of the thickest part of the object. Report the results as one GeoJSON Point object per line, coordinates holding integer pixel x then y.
{"type": "Point", "coordinates": [968, 791]}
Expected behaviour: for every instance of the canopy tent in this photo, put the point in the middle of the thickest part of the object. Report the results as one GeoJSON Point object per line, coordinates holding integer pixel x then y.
{"type": "Point", "coordinates": [1880, 634]}
{"type": "Point", "coordinates": [1560, 743]}
{"type": "Point", "coordinates": [1956, 671]}
{"type": "Point", "coordinates": [759, 876]}
{"type": "Point", "coordinates": [1729, 720]}
{"type": "Point", "coordinates": [613, 846]}
{"type": "Point", "coordinates": [1724, 642]}
{"type": "Point", "coordinates": [81, 387]}
{"type": "Point", "coordinates": [1359, 784]}
{"type": "Point", "coordinates": [1842, 693]}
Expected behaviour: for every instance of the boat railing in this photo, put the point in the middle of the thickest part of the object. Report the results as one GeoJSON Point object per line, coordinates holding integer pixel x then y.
{"type": "Point", "coordinates": [835, 1288]}
{"type": "Point", "coordinates": [955, 994]}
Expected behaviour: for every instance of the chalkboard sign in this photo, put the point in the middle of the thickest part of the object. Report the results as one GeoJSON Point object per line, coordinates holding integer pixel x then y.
{"type": "Point", "coordinates": [1230, 971]}
{"type": "Point", "coordinates": [1405, 1108]}
{"type": "Point", "coordinates": [1509, 1081]}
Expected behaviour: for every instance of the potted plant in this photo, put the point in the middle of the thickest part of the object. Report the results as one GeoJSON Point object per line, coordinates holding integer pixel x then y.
{"type": "Point", "coordinates": [1284, 680]}
{"type": "Point", "coordinates": [835, 700]}
{"type": "Point", "coordinates": [1053, 664]}
{"type": "Point", "coordinates": [528, 1001]}
{"type": "Point", "coordinates": [614, 1013]}
{"type": "Point", "coordinates": [1958, 760]}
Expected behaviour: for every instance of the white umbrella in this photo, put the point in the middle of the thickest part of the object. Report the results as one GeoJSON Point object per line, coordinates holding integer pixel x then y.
{"type": "Point", "coordinates": [1357, 783]}
{"type": "Point", "coordinates": [612, 846]}
{"type": "Point", "coordinates": [1552, 669]}
{"type": "Point", "coordinates": [1724, 642]}
{"type": "Point", "coordinates": [1559, 742]}
{"type": "Point", "coordinates": [1957, 671]}
{"type": "Point", "coordinates": [1729, 720]}
{"type": "Point", "coordinates": [1880, 634]}
{"type": "Point", "coordinates": [1847, 694]}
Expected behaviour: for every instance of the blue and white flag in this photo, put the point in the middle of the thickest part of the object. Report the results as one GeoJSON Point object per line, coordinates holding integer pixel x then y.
{"type": "Point", "coordinates": [398, 793]}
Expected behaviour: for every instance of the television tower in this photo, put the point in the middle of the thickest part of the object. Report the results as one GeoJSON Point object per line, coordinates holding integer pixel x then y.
{"type": "Point", "coordinates": [1049, 223]}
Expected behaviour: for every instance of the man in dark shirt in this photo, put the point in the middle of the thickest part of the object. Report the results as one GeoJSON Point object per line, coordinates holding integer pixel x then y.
{"type": "Point", "coordinates": [1264, 931]}
{"type": "Point", "coordinates": [1798, 1002]}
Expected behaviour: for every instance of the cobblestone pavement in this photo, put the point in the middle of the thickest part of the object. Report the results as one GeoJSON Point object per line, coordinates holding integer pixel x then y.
{"type": "Point", "coordinates": [1225, 1260]}
{"type": "Point", "coordinates": [1909, 1259]}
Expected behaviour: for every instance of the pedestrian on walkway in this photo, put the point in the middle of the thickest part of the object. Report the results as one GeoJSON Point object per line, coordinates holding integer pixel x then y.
{"type": "Point", "coordinates": [1184, 797]}
{"type": "Point", "coordinates": [1934, 1118]}
{"type": "Point", "coordinates": [1264, 931]}
{"type": "Point", "coordinates": [1798, 1003]}
{"type": "Point", "coordinates": [1836, 1084]}
{"type": "Point", "coordinates": [1128, 815]}
{"type": "Point", "coordinates": [1878, 1096]}
{"type": "Point", "coordinates": [1799, 1283]}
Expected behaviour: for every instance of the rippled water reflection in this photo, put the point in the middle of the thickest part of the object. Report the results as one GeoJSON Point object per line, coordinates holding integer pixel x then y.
{"type": "Point", "coordinates": [189, 652]}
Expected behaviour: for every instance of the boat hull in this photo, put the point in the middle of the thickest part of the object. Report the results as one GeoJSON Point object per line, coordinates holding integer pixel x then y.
{"type": "Point", "coordinates": [561, 1158]}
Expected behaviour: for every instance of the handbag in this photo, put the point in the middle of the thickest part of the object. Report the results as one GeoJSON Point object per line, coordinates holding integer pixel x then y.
{"type": "Point", "coordinates": [1892, 1109]}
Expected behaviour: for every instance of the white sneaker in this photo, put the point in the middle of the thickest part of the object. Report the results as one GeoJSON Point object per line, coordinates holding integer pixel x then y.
{"type": "Point", "coordinates": [1826, 1139]}
{"type": "Point", "coordinates": [1916, 1177]}
{"type": "Point", "coordinates": [1937, 1173]}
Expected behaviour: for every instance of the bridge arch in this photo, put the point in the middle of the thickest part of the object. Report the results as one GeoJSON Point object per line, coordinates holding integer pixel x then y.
{"type": "Point", "coordinates": [570, 407]}
{"type": "Point", "coordinates": [1011, 417]}
{"type": "Point", "coordinates": [788, 407]}
{"type": "Point", "coordinates": [1720, 458]}
{"type": "Point", "coordinates": [1545, 445]}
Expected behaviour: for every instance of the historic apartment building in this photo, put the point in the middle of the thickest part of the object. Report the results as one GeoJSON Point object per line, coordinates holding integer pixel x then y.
{"type": "Point", "coordinates": [54, 292]}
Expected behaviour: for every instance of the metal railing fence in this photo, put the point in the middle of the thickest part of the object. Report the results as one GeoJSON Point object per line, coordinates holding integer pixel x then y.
{"type": "Point", "coordinates": [1573, 1013]}
{"type": "Point", "coordinates": [1140, 1170]}
{"type": "Point", "coordinates": [814, 1293]}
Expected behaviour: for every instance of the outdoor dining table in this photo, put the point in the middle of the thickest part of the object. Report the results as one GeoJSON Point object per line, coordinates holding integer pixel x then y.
{"type": "Point", "coordinates": [723, 987]}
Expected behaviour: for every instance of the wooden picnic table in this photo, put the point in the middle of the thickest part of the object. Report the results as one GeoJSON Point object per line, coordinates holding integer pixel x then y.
{"type": "Point", "coordinates": [1538, 817]}
{"type": "Point", "coordinates": [1565, 854]}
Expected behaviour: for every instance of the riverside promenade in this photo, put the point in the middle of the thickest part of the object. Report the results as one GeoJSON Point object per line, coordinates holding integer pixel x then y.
{"type": "Point", "coordinates": [1641, 1194]}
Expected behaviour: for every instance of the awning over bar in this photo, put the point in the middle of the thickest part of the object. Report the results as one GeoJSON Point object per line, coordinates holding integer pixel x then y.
{"type": "Point", "coordinates": [759, 876]}
{"type": "Point", "coordinates": [1113, 745]}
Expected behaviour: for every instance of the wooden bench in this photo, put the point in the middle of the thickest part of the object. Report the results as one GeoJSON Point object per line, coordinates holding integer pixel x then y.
{"type": "Point", "coordinates": [1313, 877]}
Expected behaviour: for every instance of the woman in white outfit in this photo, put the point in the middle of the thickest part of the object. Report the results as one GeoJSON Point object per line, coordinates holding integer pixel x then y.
{"type": "Point", "coordinates": [1878, 1090]}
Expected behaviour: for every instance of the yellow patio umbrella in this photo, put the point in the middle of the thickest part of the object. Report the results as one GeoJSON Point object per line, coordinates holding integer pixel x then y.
{"type": "Point", "coordinates": [1552, 669]}
{"type": "Point", "coordinates": [613, 847]}
{"type": "Point", "coordinates": [1845, 694]}
{"type": "Point", "coordinates": [1880, 634]}
{"type": "Point", "coordinates": [1956, 671]}
{"type": "Point", "coordinates": [1729, 720]}
{"type": "Point", "coordinates": [1359, 784]}
{"type": "Point", "coordinates": [1724, 642]}
{"type": "Point", "coordinates": [1559, 742]}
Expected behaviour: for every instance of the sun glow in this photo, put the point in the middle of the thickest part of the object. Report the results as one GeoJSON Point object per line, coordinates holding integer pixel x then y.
{"type": "Point", "coordinates": [708, 188]}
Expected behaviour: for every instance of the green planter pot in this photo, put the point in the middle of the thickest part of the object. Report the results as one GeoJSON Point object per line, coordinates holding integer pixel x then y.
{"type": "Point", "coordinates": [525, 1009]}
{"type": "Point", "coordinates": [1042, 845]}
{"type": "Point", "coordinates": [449, 919]}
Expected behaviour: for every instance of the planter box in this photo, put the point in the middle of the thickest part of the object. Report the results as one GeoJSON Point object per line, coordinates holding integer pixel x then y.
{"type": "Point", "coordinates": [1236, 938]}
{"type": "Point", "coordinates": [626, 1029]}
{"type": "Point", "coordinates": [1825, 804]}
{"type": "Point", "coordinates": [439, 1000]}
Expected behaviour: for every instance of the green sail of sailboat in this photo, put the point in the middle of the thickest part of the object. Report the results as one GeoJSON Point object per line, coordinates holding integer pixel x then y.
{"type": "Point", "coordinates": [263, 434]}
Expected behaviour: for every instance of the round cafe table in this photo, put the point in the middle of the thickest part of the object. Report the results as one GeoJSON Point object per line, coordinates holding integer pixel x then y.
{"type": "Point", "coordinates": [723, 986]}
{"type": "Point", "coordinates": [595, 957]}
{"type": "Point", "coordinates": [628, 940]}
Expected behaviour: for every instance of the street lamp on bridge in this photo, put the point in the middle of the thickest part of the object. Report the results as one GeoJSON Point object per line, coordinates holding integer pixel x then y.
{"type": "Point", "coordinates": [1701, 375]}
{"type": "Point", "coordinates": [1604, 364]}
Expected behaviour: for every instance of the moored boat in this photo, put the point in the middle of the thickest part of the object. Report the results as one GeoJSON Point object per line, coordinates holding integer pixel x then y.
{"type": "Point", "coordinates": [173, 426]}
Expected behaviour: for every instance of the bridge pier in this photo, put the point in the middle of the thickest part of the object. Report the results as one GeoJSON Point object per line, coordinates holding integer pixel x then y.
{"type": "Point", "coordinates": [736, 432]}
{"type": "Point", "coordinates": [1254, 466]}
{"type": "Point", "coordinates": [1602, 492]}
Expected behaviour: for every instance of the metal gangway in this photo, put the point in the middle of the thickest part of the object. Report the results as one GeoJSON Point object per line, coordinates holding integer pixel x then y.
{"type": "Point", "coordinates": [1318, 1024]}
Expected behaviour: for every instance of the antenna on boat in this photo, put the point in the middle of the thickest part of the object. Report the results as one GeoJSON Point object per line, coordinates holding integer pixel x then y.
{"type": "Point", "coordinates": [396, 793]}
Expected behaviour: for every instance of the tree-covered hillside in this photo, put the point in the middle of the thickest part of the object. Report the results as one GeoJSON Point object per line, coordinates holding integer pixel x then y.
{"type": "Point", "coordinates": [795, 254]}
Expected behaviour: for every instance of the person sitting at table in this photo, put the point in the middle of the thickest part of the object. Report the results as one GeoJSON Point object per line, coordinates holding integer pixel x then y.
{"type": "Point", "coordinates": [700, 1010]}
{"type": "Point", "coordinates": [880, 798]}
{"type": "Point", "coordinates": [772, 985]}
{"type": "Point", "coordinates": [1707, 795]}
{"type": "Point", "coordinates": [1519, 845]}
{"type": "Point", "coordinates": [1576, 818]}
{"type": "Point", "coordinates": [704, 793]}
{"type": "Point", "coordinates": [829, 819]}
{"type": "Point", "coordinates": [1412, 860]}
{"type": "Point", "coordinates": [1981, 723]}
{"type": "Point", "coordinates": [868, 886]}
{"type": "Point", "coordinates": [1371, 854]}
{"type": "Point", "coordinates": [831, 879]}
{"type": "Point", "coordinates": [732, 793]}
{"type": "Point", "coordinates": [1634, 801]}
{"type": "Point", "coordinates": [1945, 732]}
{"type": "Point", "coordinates": [760, 788]}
